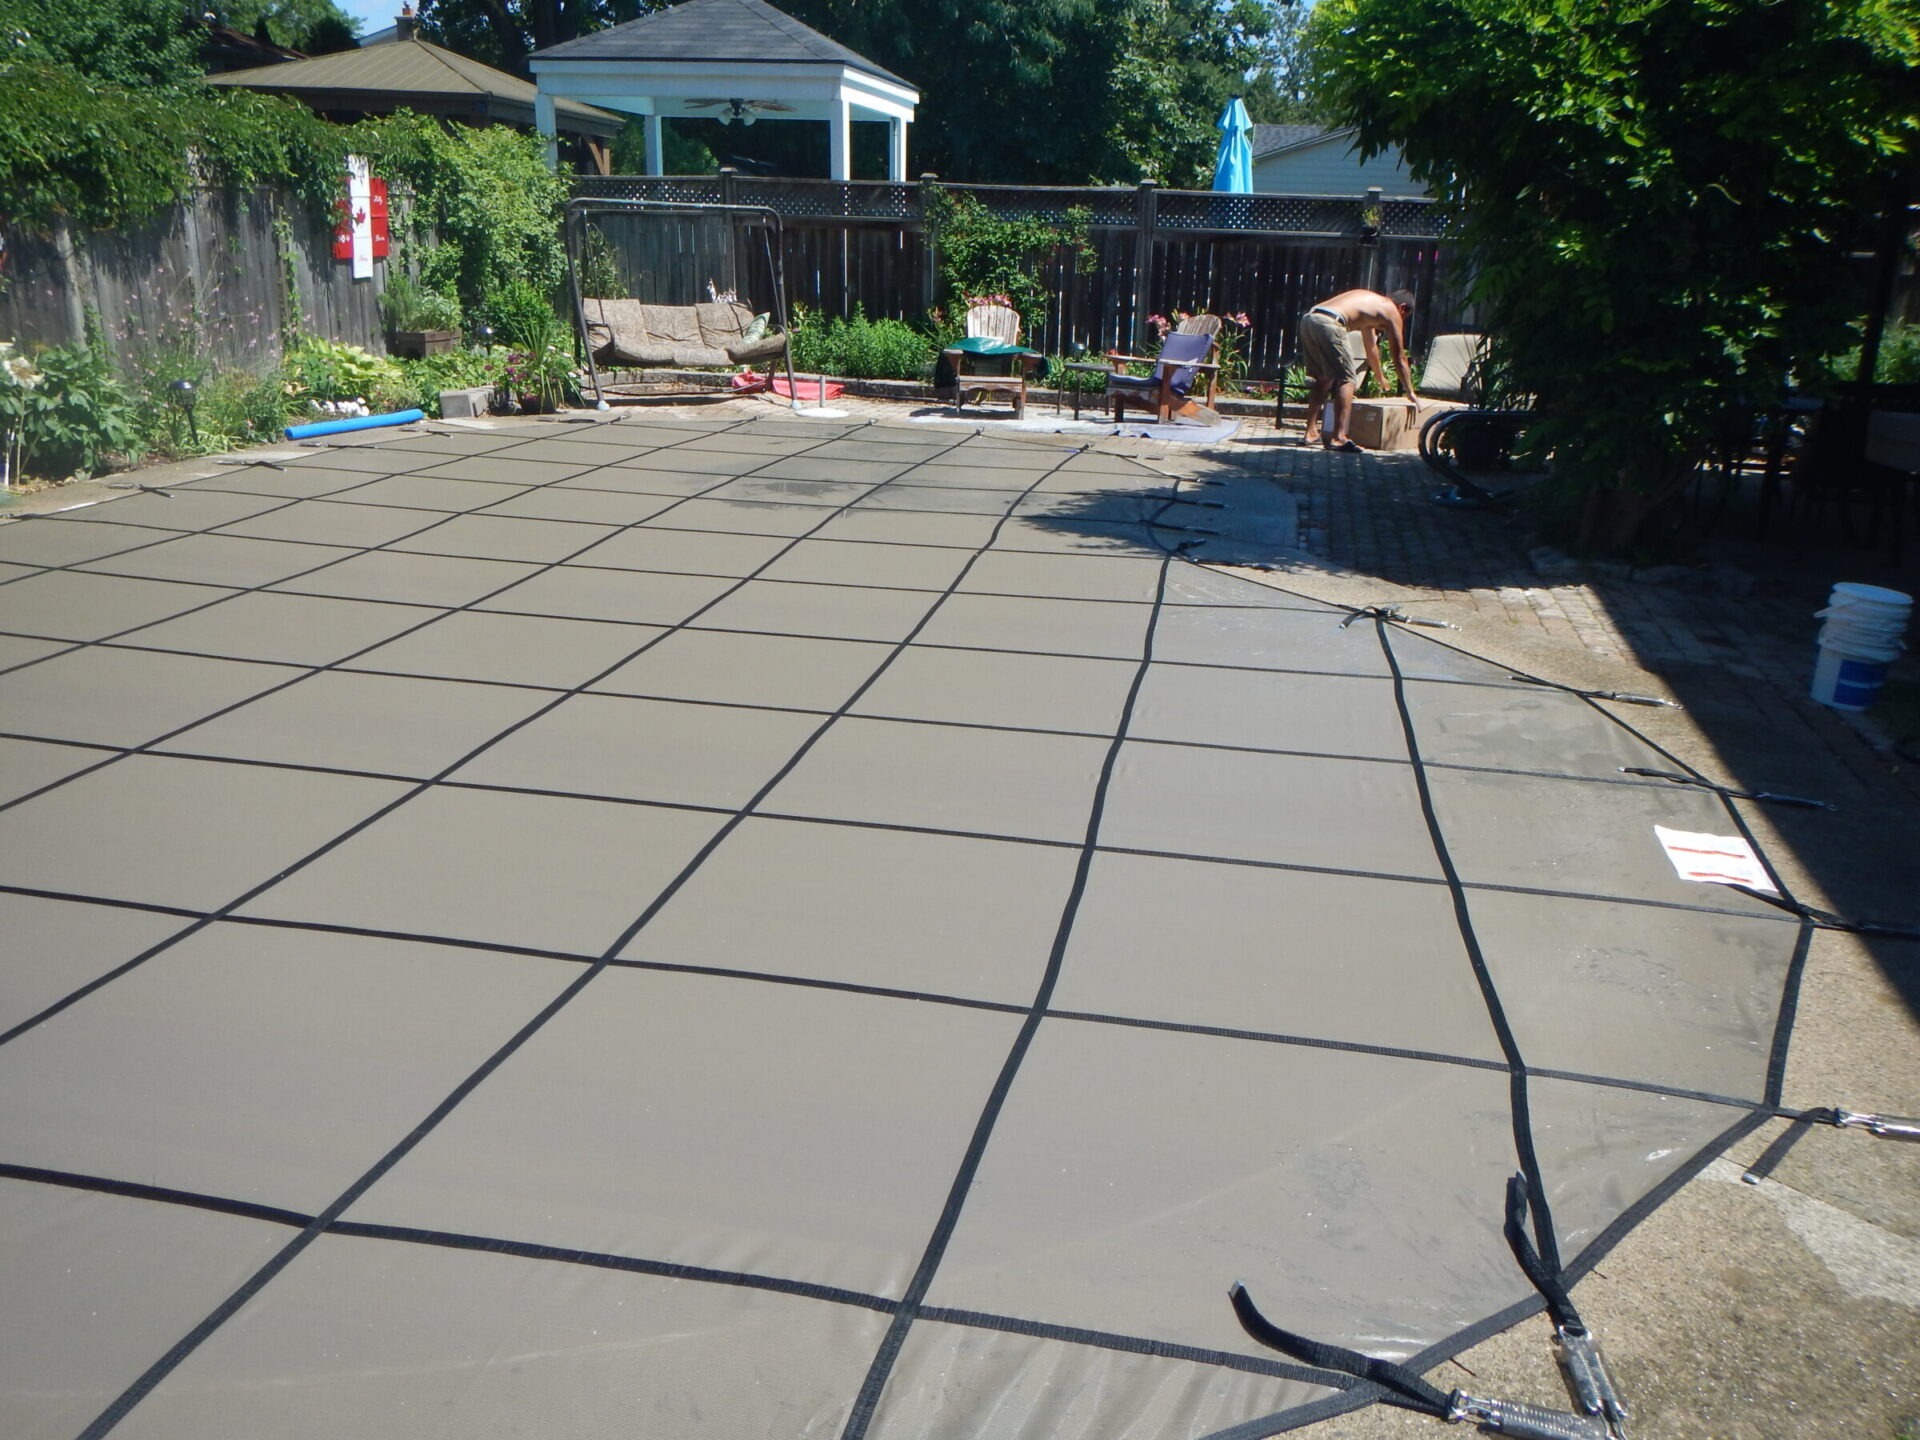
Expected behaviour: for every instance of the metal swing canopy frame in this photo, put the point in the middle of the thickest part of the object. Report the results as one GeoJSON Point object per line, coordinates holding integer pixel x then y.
{"type": "Point", "coordinates": [757, 62]}
{"type": "Point", "coordinates": [755, 217]}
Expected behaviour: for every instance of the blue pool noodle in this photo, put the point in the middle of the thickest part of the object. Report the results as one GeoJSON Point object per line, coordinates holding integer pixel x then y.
{"type": "Point", "coordinates": [358, 422]}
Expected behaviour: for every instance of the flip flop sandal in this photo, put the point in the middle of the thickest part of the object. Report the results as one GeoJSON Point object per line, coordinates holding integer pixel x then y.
{"type": "Point", "coordinates": [1345, 447]}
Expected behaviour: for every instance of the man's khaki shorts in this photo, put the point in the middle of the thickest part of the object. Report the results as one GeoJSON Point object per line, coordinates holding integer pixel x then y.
{"type": "Point", "coordinates": [1323, 347]}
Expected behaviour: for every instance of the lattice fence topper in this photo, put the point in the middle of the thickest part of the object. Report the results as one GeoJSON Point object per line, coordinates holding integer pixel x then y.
{"type": "Point", "coordinates": [713, 928]}
{"type": "Point", "coordinates": [1316, 215]}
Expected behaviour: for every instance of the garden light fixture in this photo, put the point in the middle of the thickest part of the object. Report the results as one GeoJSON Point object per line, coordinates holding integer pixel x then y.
{"type": "Point", "coordinates": [186, 397]}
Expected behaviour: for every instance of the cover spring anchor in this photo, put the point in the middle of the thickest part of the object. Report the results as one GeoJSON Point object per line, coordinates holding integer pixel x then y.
{"type": "Point", "coordinates": [1578, 1351]}
{"type": "Point", "coordinates": [1525, 1422]}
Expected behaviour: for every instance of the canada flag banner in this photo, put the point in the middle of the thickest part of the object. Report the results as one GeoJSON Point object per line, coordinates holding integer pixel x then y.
{"type": "Point", "coordinates": [360, 232]}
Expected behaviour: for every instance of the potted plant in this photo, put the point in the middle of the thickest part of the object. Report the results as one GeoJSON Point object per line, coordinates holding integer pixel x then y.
{"type": "Point", "coordinates": [419, 322]}
{"type": "Point", "coordinates": [540, 369]}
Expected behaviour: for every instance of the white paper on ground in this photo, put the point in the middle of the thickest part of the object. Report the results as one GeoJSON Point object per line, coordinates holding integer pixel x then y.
{"type": "Point", "coordinates": [1715, 859]}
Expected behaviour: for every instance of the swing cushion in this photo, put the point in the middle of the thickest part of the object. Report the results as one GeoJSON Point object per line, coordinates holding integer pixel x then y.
{"type": "Point", "coordinates": [631, 332]}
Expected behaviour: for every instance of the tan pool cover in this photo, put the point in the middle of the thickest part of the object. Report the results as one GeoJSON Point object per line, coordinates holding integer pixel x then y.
{"type": "Point", "coordinates": [704, 931]}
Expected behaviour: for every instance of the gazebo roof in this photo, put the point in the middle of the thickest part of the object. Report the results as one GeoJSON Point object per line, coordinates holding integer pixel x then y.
{"type": "Point", "coordinates": [723, 32]}
{"type": "Point", "coordinates": [415, 75]}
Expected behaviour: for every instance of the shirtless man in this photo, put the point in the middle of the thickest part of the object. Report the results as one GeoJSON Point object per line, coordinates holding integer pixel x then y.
{"type": "Point", "coordinates": [1323, 346]}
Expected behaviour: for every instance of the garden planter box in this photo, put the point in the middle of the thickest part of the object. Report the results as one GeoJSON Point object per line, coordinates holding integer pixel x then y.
{"type": "Point", "coordinates": [418, 344]}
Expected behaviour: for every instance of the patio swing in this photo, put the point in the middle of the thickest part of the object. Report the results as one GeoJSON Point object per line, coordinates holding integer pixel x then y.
{"type": "Point", "coordinates": [667, 284]}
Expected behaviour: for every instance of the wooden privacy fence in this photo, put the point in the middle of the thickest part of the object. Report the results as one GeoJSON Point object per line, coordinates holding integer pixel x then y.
{"type": "Point", "coordinates": [865, 244]}
{"type": "Point", "coordinates": [221, 277]}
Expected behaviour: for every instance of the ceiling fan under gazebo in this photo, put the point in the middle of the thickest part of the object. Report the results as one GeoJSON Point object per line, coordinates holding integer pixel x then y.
{"type": "Point", "coordinates": [745, 112]}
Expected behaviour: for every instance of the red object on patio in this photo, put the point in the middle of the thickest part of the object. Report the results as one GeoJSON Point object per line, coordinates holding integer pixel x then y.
{"type": "Point", "coordinates": [810, 388]}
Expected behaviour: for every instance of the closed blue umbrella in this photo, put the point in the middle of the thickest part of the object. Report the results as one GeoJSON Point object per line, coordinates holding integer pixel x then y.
{"type": "Point", "coordinates": [1233, 170]}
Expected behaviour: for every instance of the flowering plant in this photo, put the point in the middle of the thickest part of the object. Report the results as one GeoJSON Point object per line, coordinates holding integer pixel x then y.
{"type": "Point", "coordinates": [994, 299]}
{"type": "Point", "coordinates": [1232, 344]}
{"type": "Point", "coordinates": [544, 376]}
{"type": "Point", "coordinates": [18, 376]}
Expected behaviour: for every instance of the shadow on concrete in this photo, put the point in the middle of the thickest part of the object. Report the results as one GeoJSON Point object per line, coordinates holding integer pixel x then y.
{"type": "Point", "coordinates": [1730, 634]}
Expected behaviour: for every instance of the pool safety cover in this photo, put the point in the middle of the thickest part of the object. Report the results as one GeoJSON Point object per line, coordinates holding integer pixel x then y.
{"type": "Point", "coordinates": [701, 930]}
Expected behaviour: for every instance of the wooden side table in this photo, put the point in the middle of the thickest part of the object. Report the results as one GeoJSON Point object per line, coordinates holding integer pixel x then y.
{"type": "Point", "coordinates": [1085, 368]}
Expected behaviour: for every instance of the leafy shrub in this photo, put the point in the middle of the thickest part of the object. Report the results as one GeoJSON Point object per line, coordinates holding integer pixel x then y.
{"type": "Point", "coordinates": [859, 348]}
{"type": "Point", "coordinates": [233, 408]}
{"type": "Point", "coordinates": [424, 379]}
{"type": "Point", "coordinates": [328, 370]}
{"type": "Point", "coordinates": [522, 316]}
{"type": "Point", "coordinates": [405, 305]}
{"type": "Point", "coordinates": [70, 417]}
{"type": "Point", "coordinates": [1898, 362]}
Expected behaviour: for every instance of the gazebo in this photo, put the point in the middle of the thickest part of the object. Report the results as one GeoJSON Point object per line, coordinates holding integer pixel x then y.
{"type": "Point", "coordinates": [730, 60]}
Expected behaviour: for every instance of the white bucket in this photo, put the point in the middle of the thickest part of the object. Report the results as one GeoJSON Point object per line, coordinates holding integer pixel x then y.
{"type": "Point", "coordinates": [1865, 618]}
{"type": "Point", "coordinates": [1847, 682]}
{"type": "Point", "coordinates": [1864, 633]}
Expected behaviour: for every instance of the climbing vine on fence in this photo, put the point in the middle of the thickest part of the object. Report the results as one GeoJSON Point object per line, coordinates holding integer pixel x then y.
{"type": "Point", "coordinates": [102, 156]}
{"type": "Point", "coordinates": [986, 254]}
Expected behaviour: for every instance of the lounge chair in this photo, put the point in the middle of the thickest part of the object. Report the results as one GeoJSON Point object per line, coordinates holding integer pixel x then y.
{"type": "Point", "coordinates": [1182, 360]}
{"type": "Point", "coordinates": [990, 360]}
{"type": "Point", "coordinates": [1453, 368]}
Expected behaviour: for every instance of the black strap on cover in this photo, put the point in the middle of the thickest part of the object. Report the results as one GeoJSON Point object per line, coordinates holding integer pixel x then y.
{"type": "Point", "coordinates": [1403, 1386]}
{"type": "Point", "coordinates": [1545, 1279]}
{"type": "Point", "coordinates": [1798, 1126]}
{"type": "Point", "coordinates": [1827, 920]}
{"type": "Point", "coordinates": [1674, 777]}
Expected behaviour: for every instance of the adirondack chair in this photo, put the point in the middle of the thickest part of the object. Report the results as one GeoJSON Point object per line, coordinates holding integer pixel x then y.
{"type": "Point", "coordinates": [990, 361]}
{"type": "Point", "coordinates": [1182, 360]}
{"type": "Point", "coordinates": [1203, 325]}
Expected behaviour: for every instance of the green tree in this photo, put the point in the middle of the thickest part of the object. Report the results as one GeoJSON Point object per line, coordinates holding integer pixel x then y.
{"type": "Point", "coordinates": [124, 42]}
{"type": "Point", "coordinates": [1281, 90]}
{"type": "Point", "coordinates": [1656, 197]}
{"type": "Point", "coordinates": [315, 26]}
{"type": "Point", "coordinates": [1059, 91]}
{"type": "Point", "coordinates": [1042, 91]}
{"type": "Point", "coordinates": [502, 33]}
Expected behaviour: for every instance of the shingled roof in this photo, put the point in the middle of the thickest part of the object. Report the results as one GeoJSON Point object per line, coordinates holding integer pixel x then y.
{"type": "Point", "coordinates": [731, 32]}
{"type": "Point", "coordinates": [415, 75]}
{"type": "Point", "coordinates": [1269, 138]}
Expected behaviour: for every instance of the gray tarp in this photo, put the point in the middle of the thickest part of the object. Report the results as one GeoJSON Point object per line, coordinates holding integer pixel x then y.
{"type": "Point", "coordinates": [788, 929]}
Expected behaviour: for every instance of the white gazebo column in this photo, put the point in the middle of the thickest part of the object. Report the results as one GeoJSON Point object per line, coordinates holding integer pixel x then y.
{"type": "Point", "coordinates": [544, 123]}
{"type": "Point", "coordinates": [896, 149]}
{"type": "Point", "coordinates": [656, 147]}
{"type": "Point", "coordinates": [840, 141]}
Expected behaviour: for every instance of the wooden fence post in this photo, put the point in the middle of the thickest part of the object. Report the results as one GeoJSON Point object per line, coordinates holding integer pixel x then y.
{"type": "Point", "coordinates": [930, 270]}
{"type": "Point", "coordinates": [73, 280]}
{"type": "Point", "coordinates": [1146, 210]}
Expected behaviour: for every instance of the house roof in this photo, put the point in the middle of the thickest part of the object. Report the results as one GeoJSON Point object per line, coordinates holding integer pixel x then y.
{"type": "Point", "coordinates": [1272, 139]}
{"type": "Point", "coordinates": [419, 76]}
{"type": "Point", "coordinates": [729, 32]}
